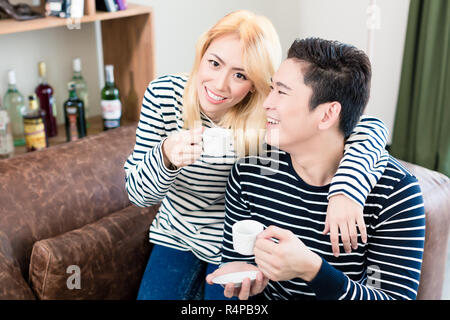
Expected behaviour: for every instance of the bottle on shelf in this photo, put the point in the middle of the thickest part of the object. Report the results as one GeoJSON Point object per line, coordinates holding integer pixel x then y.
{"type": "Point", "coordinates": [46, 102]}
{"type": "Point", "coordinates": [74, 115]}
{"type": "Point", "coordinates": [6, 139]}
{"type": "Point", "coordinates": [111, 105]}
{"type": "Point", "coordinates": [81, 86]}
{"type": "Point", "coordinates": [34, 126]}
{"type": "Point", "coordinates": [15, 104]}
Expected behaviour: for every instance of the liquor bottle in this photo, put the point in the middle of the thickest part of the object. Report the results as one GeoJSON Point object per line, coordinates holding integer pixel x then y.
{"type": "Point", "coordinates": [15, 104]}
{"type": "Point", "coordinates": [81, 85]}
{"type": "Point", "coordinates": [111, 105]}
{"type": "Point", "coordinates": [46, 102]}
{"type": "Point", "coordinates": [6, 139]}
{"type": "Point", "coordinates": [34, 126]}
{"type": "Point", "coordinates": [74, 115]}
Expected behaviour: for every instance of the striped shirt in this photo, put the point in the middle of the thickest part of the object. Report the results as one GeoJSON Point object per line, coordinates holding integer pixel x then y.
{"type": "Point", "coordinates": [387, 267]}
{"type": "Point", "coordinates": [192, 198]}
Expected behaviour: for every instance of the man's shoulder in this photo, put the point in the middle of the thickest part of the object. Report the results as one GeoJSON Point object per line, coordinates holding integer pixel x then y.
{"type": "Point", "coordinates": [398, 190]}
{"type": "Point", "coordinates": [267, 162]}
{"type": "Point", "coordinates": [396, 174]}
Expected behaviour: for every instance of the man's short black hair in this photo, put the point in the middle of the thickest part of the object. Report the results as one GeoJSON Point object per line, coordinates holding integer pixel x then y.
{"type": "Point", "coordinates": [336, 72]}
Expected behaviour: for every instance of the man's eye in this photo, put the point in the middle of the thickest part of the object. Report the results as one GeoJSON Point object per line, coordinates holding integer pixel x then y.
{"type": "Point", "coordinates": [279, 91]}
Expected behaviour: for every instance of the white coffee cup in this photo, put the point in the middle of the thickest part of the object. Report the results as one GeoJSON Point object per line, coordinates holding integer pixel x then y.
{"type": "Point", "coordinates": [244, 235]}
{"type": "Point", "coordinates": [217, 142]}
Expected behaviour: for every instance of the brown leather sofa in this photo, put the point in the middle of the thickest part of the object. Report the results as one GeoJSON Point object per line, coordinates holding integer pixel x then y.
{"type": "Point", "coordinates": [68, 231]}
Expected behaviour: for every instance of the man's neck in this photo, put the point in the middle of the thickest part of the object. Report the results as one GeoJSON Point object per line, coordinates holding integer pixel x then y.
{"type": "Point", "coordinates": [316, 162]}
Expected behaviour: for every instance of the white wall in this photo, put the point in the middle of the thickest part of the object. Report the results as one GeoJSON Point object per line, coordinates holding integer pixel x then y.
{"type": "Point", "coordinates": [345, 20]}
{"type": "Point", "coordinates": [179, 23]}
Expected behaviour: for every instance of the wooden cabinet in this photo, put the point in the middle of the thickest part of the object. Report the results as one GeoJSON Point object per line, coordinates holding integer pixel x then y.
{"type": "Point", "coordinates": [128, 44]}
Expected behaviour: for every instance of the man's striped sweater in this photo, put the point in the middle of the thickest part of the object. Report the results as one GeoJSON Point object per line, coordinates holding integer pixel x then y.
{"type": "Point", "coordinates": [386, 267]}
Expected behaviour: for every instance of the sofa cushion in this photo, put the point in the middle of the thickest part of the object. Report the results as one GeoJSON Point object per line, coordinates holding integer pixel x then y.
{"type": "Point", "coordinates": [49, 192]}
{"type": "Point", "coordinates": [102, 260]}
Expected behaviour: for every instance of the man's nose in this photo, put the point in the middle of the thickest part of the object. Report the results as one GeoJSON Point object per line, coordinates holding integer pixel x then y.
{"type": "Point", "coordinates": [268, 103]}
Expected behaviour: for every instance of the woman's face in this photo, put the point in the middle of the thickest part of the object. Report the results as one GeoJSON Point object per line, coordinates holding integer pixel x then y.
{"type": "Point", "coordinates": [221, 80]}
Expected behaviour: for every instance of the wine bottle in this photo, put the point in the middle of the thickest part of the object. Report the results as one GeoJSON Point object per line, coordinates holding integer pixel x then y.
{"type": "Point", "coordinates": [81, 86]}
{"type": "Point", "coordinates": [46, 102]}
{"type": "Point", "coordinates": [15, 104]}
{"type": "Point", "coordinates": [6, 139]}
{"type": "Point", "coordinates": [34, 126]}
{"type": "Point", "coordinates": [74, 115]}
{"type": "Point", "coordinates": [111, 105]}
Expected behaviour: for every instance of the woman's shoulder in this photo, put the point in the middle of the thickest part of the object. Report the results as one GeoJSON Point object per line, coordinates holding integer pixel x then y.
{"type": "Point", "coordinates": [169, 82]}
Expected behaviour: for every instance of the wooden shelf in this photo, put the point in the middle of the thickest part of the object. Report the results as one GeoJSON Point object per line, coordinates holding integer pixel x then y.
{"type": "Point", "coordinates": [128, 44]}
{"type": "Point", "coordinates": [127, 41]}
{"type": "Point", "coordinates": [9, 26]}
{"type": "Point", "coordinates": [95, 127]}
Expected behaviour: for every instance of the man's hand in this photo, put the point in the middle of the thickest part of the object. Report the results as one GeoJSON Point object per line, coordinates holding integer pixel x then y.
{"type": "Point", "coordinates": [247, 288]}
{"type": "Point", "coordinates": [344, 214]}
{"type": "Point", "coordinates": [287, 259]}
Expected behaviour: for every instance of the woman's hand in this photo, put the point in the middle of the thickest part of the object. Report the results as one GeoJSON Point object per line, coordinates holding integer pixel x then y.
{"type": "Point", "coordinates": [183, 148]}
{"type": "Point", "coordinates": [344, 214]}
{"type": "Point", "coordinates": [247, 288]}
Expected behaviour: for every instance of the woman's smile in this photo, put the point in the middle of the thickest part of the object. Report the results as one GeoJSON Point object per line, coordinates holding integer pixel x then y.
{"type": "Point", "coordinates": [214, 97]}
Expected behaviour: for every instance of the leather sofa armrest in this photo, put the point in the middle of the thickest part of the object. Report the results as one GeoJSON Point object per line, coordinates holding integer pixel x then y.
{"type": "Point", "coordinates": [13, 285]}
{"type": "Point", "coordinates": [436, 195]}
{"type": "Point", "coordinates": [102, 260]}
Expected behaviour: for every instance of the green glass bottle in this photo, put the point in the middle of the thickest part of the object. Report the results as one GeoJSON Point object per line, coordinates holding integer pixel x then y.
{"type": "Point", "coordinates": [111, 105]}
{"type": "Point", "coordinates": [6, 139]}
{"type": "Point", "coordinates": [74, 115]}
{"type": "Point", "coordinates": [15, 104]}
{"type": "Point", "coordinates": [81, 85]}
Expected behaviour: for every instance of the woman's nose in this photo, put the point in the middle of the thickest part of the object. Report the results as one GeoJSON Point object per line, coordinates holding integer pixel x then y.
{"type": "Point", "coordinates": [222, 81]}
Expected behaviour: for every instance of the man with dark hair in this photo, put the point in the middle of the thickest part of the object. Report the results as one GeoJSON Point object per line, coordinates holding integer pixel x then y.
{"type": "Point", "coordinates": [317, 96]}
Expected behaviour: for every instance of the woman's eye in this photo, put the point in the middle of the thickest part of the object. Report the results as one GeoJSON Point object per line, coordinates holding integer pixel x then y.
{"type": "Point", "coordinates": [213, 63]}
{"type": "Point", "coordinates": [241, 76]}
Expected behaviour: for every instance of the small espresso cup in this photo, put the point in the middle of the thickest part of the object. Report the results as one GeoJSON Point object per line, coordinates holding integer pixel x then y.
{"type": "Point", "coordinates": [217, 142]}
{"type": "Point", "coordinates": [244, 235]}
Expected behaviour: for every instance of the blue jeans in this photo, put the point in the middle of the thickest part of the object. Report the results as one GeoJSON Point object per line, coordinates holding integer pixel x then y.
{"type": "Point", "coordinates": [177, 275]}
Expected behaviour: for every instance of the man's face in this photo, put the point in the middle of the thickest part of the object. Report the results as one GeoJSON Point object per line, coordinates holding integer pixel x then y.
{"type": "Point", "coordinates": [290, 123]}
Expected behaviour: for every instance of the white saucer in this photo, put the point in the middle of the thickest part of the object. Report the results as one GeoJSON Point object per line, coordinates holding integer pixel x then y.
{"type": "Point", "coordinates": [235, 277]}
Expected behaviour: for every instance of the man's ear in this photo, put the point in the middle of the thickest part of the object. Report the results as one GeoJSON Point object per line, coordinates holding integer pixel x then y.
{"type": "Point", "coordinates": [330, 115]}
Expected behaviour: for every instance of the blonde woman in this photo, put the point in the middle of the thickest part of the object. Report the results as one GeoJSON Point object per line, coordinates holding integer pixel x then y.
{"type": "Point", "coordinates": [230, 79]}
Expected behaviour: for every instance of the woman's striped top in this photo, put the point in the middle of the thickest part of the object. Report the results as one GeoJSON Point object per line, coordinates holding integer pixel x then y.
{"type": "Point", "coordinates": [387, 267]}
{"type": "Point", "coordinates": [193, 198]}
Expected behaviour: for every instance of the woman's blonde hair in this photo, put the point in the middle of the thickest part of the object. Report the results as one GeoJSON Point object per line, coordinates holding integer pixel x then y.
{"type": "Point", "coordinates": [261, 58]}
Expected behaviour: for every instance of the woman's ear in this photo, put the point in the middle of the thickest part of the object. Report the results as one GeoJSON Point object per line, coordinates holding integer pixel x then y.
{"type": "Point", "coordinates": [330, 116]}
